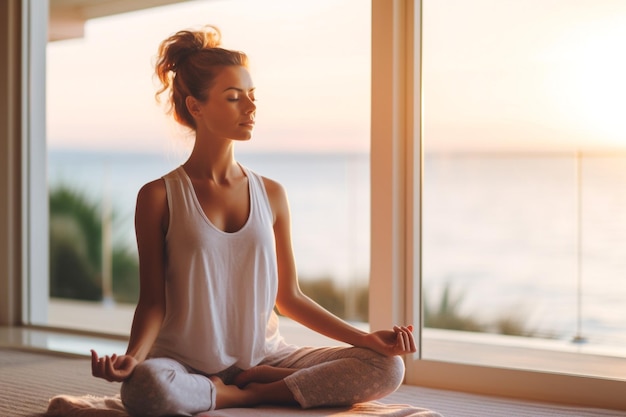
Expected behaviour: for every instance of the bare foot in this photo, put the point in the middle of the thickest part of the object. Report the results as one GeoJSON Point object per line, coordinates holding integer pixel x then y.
{"type": "Point", "coordinates": [228, 396]}
{"type": "Point", "coordinates": [263, 374]}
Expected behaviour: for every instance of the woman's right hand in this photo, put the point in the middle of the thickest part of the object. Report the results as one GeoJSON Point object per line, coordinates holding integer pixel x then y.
{"type": "Point", "coordinates": [112, 368]}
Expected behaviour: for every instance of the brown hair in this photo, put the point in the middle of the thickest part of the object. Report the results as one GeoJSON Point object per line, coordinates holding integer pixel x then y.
{"type": "Point", "coordinates": [187, 63]}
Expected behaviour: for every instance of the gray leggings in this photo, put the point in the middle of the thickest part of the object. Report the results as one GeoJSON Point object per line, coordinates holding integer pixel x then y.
{"type": "Point", "coordinates": [335, 376]}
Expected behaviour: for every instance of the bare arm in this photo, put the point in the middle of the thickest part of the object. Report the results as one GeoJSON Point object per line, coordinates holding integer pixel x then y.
{"type": "Point", "coordinates": [151, 219]}
{"type": "Point", "coordinates": [294, 304]}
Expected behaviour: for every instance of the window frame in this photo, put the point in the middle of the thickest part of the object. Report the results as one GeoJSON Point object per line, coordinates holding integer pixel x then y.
{"type": "Point", "coordinates": [34, 164]}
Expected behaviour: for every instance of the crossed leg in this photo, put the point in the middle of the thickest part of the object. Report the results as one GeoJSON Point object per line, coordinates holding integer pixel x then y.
{"type": "Point", "coordinates": [310, 377]}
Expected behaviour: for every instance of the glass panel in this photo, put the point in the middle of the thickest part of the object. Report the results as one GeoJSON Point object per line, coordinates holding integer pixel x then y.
{"type": "Point", "coordinates": [107, 137]}
{"type": "Point", "coordinates": [524, 196]}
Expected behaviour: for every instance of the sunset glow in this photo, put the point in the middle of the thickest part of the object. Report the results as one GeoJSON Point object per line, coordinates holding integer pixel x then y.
{"type": "Point", "coordinates": [524, 75]}
{"type": "Point", "coordinates": [509, 75]}
{"type": "Point", "coordinates": [595, 84]}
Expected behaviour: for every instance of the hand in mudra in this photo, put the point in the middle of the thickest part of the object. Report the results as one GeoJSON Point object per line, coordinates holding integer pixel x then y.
{"type": "Point", "coordinates": [112, 368]}
{"type": "Point", "coordinates": [398, 341]}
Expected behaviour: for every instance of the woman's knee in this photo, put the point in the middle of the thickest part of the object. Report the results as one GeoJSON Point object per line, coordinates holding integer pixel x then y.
{"type": "Point", "coordinates": [393, 372]}
{"type": "Point", "coordinates": [146, 392]}
{"type": "Point", "coordinates": [388, 371]}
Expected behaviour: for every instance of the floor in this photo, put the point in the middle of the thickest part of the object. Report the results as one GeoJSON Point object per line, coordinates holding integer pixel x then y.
{"type": "Point", "coordinates": [29, 378]}
{"type": "Point", "coordinates": [93, 320]}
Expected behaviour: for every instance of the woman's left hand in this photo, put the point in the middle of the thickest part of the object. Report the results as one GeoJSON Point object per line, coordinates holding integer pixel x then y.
{"type": "Point", "coordinates": [112, 368]}
{"type": "Point", "coordinates": [398, 341]}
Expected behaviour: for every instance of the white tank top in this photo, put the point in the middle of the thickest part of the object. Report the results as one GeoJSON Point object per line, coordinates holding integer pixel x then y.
{"type": "Point", "coordinates": [220, 287]}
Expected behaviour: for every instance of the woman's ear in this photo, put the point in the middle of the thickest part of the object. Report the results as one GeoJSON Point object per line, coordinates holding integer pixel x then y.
{"type": "Point", "coordinates": [193, 106]}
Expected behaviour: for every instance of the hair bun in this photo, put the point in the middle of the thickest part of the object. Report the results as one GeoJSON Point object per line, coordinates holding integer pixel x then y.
{"type": "Point", "coordinates": [211, 37]}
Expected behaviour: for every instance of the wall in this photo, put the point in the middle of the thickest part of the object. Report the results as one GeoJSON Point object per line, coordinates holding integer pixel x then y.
{"type": "Point", "coordinates": [10, 157]}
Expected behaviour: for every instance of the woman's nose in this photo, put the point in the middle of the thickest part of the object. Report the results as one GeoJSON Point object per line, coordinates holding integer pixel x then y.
{"type": "Point", "coordinates": [251, 107]}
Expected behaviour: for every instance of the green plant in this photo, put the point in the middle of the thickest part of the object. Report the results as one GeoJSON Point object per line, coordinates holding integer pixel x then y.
{"type": "Point", "coordinates": [72, 274]}
{"type": "Point", "coordinates": [75, 246]}
{"type": "Point", "coordinates": [446, 314]}
{"type": "Point", "coordinates": [76, 251]}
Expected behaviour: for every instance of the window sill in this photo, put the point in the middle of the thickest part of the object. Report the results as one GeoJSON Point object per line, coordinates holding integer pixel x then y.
{"type": "Point", "coordinates": [523, 353]}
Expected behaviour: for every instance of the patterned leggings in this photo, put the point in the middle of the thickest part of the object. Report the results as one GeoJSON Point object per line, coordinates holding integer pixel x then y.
{"type": "Point", "coordinates": [336, 376]}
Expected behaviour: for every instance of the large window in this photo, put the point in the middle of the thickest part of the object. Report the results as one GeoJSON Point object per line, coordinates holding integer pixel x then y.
{"type": "Point", "coordinates": [403, 178]}
{"type": "Point", "coordinates": [107, 137]}
{"type": "Point", "coordinates": [524, 182]}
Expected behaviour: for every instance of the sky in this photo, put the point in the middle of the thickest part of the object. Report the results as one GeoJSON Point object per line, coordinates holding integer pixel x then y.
{"type": "Point", "coordinates": [311, 72]}
{"type": "Point", "coordinates": [541, 75]}
{"type": "Point", "coordinates": [525, 74]}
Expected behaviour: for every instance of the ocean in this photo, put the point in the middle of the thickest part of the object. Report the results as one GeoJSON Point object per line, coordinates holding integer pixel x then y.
{"type": "Point", "coordinates": [539, 238]}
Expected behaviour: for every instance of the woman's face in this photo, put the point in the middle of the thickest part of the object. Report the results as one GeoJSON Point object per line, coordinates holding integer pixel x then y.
{"type": "Point", "coordinates": [229, 111]}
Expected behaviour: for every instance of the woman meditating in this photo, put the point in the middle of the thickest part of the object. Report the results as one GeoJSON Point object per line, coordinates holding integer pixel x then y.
{"type": "Point", "coordinates": [215, 259]}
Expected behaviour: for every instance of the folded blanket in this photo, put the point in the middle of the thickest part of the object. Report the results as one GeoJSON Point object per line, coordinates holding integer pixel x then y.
{"type": "Point", "coordinates": [90, 406]}
{"type": "Point", "coordinates": [374, 408]}
{"type": "Point", "coordinates": [371, 408]}
{"type": "Point", "coordinates": [86, 406]}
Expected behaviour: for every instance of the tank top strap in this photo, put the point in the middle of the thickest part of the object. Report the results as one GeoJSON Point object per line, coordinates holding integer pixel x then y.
{"type": "Point", "coordinates": [258, 196]}
{"type": "Point", "coordinates": [180, 194]}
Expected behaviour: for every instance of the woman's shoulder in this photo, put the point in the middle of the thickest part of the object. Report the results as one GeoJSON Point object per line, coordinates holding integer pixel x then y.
{"type": "Point", "coordinates": [152, 204]}
{"type": "Point", "coordinates": [277, 197]}
{"type": "Point", "coordinates": [152, 194]}
{"type": "Point", "coordinates": [153, 188]}
{"type": "Point", "coordinates": [273, 188]}
{"type": "Point", "coordinates": [156, 188]}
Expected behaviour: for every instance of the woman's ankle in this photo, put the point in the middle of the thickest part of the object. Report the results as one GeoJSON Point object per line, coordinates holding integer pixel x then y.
{"type": "Point", "coordinates": [263, 374]}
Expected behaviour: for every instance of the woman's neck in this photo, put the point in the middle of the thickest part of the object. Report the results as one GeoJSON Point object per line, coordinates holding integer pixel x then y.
{"type": "Point", "coordinates": [215, 162]}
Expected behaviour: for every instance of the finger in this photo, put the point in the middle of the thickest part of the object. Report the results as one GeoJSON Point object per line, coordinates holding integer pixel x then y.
{"type": "Point", "coordinates": [98, 369]}
{"type": "Point", "coordinates": [109, 369]}
{"type": "Point", "coordinates": [412, 345]}
{"type": "Point", "coordinates": [119, 370]}
{"type": "Point", "coordinates": [94, 362]}
{"type": "Point", "coordinates": [400, 346]}
{"type": "Point", "coordinates": [408, 339]}
{"type": "Point", "coordinates": [407, 343]}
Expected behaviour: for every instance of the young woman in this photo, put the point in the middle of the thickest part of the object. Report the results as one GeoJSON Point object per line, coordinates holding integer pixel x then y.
{"type": "Point", "coordinates": [215, 258]}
